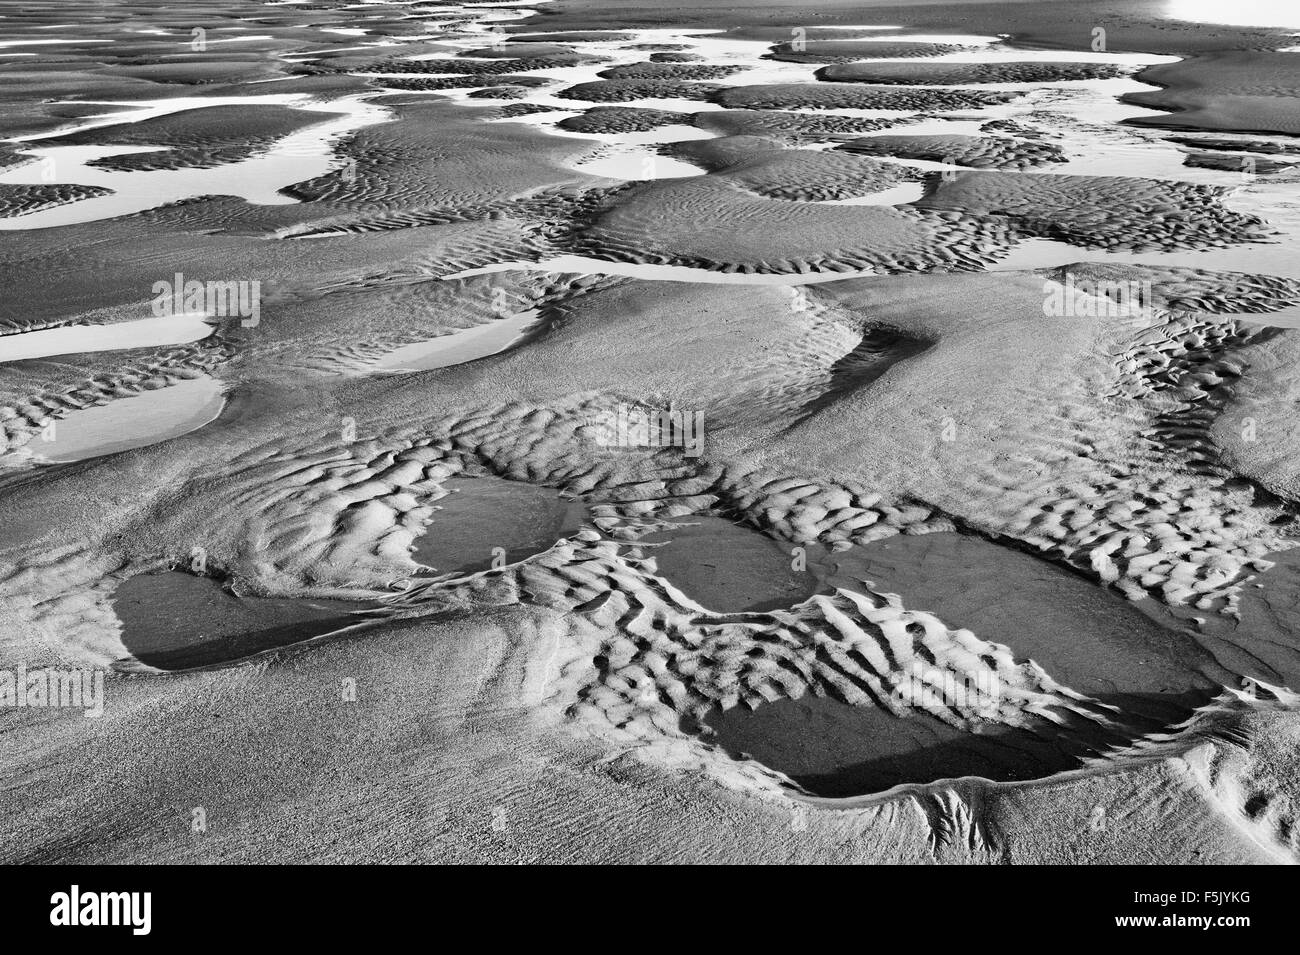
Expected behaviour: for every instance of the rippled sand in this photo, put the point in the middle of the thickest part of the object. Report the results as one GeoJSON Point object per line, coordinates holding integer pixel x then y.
{"type": "Point", "coordinates": [762, 442]}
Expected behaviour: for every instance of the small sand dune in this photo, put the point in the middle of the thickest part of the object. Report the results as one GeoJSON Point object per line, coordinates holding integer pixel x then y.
{"type": "Point", "coordinates": [1246, 91]}
{"type": "Point", "coordinates": [965, 74]}
{"type": "Point", "coordinates": [846, 51]}
{"type": "Point", "coordinates": [980, 152]}
{"type": "Point", "coordinates": [21, 200]}
{"type": "Point", "coordinates": [1101, 211]}
{"type": "Point", "coordinates": [856, 96]}
{"type": "Point", "coordinates": [194, 138]}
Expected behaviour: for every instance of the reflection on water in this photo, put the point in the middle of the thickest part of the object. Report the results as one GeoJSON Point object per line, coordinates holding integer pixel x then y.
{"type": "Point", "coordinates": [1239, 13]}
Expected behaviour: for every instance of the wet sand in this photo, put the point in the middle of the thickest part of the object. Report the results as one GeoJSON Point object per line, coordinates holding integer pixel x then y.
{"type": "Point", "coordinates": [485, 235]}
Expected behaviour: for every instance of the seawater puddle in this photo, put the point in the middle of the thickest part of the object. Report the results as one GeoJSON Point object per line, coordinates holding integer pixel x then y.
{"type": "Point", "coordinates": [459, 346]}
{"type": "Point", "coordinates": [727, 567]}
{"type": "Point", "coordinates": [836, 750]}
{"type": "Point", "coordinates": [303, 155]}
{"type": "Point", "coordinates": [179, 621]}
{"type": "Point", "coordinates": [81, 339]}
{"type": "Point", "coordinates": [1092, 641]}
{"type": "Point", "coordinates": [490, 521]}
{"type": "Point", "coordinates": [135, 422]}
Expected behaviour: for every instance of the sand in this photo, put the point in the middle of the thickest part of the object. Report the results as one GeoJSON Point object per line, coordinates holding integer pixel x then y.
{"type": "Point", "coordinates": [961, 74]}
{"type": "Point", "coordinates": [962, 555]}
{"type": "Point", "coordinates": [975, 151]}
{"type": "Point", "coordinates": [1251, 92]}
{"type": "Point", "coordinates": [193, 139]}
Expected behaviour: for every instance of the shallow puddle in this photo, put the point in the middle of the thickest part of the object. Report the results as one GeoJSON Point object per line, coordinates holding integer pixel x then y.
{"type": "Point", "coordinates": [729, 568]}
{"type": "Point", "coordinates": [178, 621]}
{"type": "Point", "coordinates": [81, 339]}
{"type": "Point", "coordinates": [836, 750]}
{"type": "Point", "coordinates": [460, 346]}
{"type": "Point", "coordinates": [134, 422]}
{"type": "Point", "coordinates": [489, 520]}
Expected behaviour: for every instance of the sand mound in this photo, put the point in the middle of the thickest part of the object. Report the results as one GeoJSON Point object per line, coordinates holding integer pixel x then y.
{"type": "Point", "coordinates": [670, 71]}
{"type": "Point", "coordinates": [977, 151]}
{"type": "Point", "coordinates": [1193, 290]}
{"type": "Point", "coordinates": [21, 200]}
{"type": "Point", "coordinates": [675, 56]}
{"type": "Point", "coordinates": [481, 67]}
{"type": "Point", "coordinates": [624, 91]}
{"type": "Point", "coordinates": [10, 157]}
{"type": "Point", "coordinates": [433, 83]}
{"type": "Point", "coordinates": [196, 138]}
{"type": "Point", "coordinates": [963, 74]}
{"type": "Point", "coordinates": [517, 109]}
{"type": "Point", "coordinates": [1244, 164]}
{"type": "Point", "coordinates": [510, 92]}
{"type": "Point", "coordinates": [621, 119]}
{"type": "Point", "coordinates": [797, 126]}
{"type": "Point", "coordinates": [1100, 211]}
{"type": "Point", "coordinates": [710, 222]}
{"type": "Point", "coordinates": [411, 162]}
{"type": "Point", "coordinates": [1244, 91]}
{"type": "Point", "coordinates": [1237, 145]}
{"type": "Point", "coordinates": [766, 168]}
{"type": "Point", "coordinates": [854, 96]}
{"type": "Point", "coordinates": [845, 51]}
{"type": "Point", "coordinates": [201, 71]}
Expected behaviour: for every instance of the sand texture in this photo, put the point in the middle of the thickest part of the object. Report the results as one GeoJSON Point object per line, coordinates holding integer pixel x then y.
{"type": "Point", "coordinates": [970, 538]}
